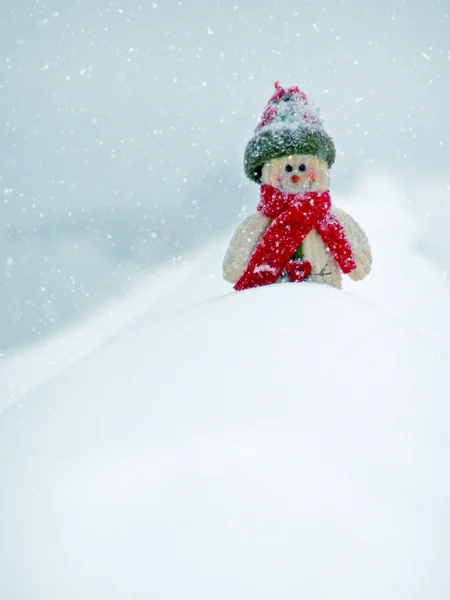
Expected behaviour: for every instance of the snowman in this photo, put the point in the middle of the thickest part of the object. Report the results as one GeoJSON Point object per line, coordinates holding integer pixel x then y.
{"type": "Point", "coordinates": [296, 234]}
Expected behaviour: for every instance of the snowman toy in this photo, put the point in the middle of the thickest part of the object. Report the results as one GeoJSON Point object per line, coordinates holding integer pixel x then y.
{"type": "Point", "coordinates": [296, 234]}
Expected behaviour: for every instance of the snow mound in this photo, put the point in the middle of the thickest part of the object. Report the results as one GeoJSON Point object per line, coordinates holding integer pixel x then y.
{"type": "Point", "coordinates": [287, 442]}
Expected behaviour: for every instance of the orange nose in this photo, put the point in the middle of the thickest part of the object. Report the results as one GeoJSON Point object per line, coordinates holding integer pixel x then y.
{"type": "Point", "coordinates": [295, 178]}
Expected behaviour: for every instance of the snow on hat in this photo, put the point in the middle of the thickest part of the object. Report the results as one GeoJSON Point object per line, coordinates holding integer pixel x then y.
{"type": "Point", "coordinates": [289, 125]}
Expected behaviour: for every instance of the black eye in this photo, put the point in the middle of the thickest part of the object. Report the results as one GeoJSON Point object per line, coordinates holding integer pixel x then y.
{"type": "Point", "coordinates": [302, 168]}
{"type": "Point", "coordinates": [288, 168]}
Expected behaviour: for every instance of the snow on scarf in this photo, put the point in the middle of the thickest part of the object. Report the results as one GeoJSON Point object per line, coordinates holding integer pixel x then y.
{"type": "Point", "coordinates": [294, 216]}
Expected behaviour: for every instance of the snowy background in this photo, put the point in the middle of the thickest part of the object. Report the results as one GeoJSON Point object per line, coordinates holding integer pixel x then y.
{"type": "Point", "coordinates": [189, 442]}
{"type": "Point", "coordinates": [124, 126]}
{"type": "Point", "coordinates": [160, 435]}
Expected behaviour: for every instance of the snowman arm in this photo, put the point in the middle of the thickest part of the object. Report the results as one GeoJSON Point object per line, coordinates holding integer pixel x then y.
{"type": "Point", "coordinates": [359, 243]}
{"type": "Point", "coordinates": [242, 246]}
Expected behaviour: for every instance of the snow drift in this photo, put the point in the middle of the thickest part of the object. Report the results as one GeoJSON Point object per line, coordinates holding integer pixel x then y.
{"type": "Point", "coordinates": [287, 442]}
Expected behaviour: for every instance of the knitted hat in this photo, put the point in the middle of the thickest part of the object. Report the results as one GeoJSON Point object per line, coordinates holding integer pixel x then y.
{"type": "Point", "coordinates": [289, 125]}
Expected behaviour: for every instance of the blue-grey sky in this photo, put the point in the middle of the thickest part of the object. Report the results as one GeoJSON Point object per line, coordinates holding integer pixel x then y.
{"type": "Point", "coordinates": [123, 125]}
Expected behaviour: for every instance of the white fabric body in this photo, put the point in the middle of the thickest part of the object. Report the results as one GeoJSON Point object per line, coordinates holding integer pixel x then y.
{"type": "Point", "coordinates": [325, 269]}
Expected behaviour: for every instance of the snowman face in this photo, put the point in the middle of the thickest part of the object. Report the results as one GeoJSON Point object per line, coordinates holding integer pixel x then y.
{"type": "Point", "coordinates": [297, 173]}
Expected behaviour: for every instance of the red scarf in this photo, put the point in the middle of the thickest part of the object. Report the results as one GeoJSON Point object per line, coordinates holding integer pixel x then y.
{"type": "Point", "coordinates": [294, 216]}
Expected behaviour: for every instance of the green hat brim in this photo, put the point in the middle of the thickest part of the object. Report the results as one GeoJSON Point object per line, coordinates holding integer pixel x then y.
{"type": "Point", "coordinates": [285, 142]}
